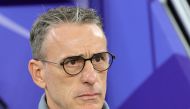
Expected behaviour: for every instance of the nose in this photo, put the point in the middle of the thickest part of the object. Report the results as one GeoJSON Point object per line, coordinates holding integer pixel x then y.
{"type": "Point", "coordinates": [89, 74]}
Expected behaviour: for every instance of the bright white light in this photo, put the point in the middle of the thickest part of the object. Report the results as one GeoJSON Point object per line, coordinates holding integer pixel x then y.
{"type": "Point", "coordinates": [8, 23]}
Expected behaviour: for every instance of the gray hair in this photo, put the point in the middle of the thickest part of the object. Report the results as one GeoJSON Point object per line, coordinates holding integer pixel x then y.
{"type": "Point", "coordinates": [56, 16]}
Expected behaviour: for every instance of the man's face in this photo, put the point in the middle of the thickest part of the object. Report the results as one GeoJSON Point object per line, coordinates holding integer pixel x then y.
{"type": "Point", "coordinates": [85, 90]}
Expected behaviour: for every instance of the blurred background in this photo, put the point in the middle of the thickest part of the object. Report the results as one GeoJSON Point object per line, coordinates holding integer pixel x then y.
{"type": "Point", "coordinates": [150, 39]}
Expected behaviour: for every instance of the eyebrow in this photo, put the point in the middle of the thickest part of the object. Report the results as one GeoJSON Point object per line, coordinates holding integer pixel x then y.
{"type": "Point", "coordinates": [71, 57]}
{"type": "Point", "coordinates": [80, 55]}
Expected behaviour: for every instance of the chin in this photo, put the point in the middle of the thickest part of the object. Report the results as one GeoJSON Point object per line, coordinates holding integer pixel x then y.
{"type": "Point", "coordinates": [90, 106]}
{"type": "Point", "coordinates": [89, 103]}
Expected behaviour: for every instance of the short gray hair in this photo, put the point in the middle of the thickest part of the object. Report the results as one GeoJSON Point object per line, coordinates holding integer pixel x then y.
{"type": "Point", "coordinates": [56, 16]}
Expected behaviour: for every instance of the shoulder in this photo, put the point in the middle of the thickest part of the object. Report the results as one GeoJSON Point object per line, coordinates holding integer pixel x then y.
{"type": "Point", "coordinates": [105, 106]}
{"type": "Point", "coordinates": [42, 103]}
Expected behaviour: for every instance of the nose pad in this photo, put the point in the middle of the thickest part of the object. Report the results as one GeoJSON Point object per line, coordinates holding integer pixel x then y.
{"type": "Point", "coordinates": [89, 74]}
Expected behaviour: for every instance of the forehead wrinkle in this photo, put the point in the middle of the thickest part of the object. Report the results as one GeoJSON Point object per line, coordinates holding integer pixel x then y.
{"type": "Point", "coordinates": [89, 53]}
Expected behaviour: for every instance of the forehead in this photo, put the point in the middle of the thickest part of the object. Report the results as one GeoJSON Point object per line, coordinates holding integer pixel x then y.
{"type": "Point", "coordinates": [75, 30]}
{"type": "Point", "coordinates": [73, 39]}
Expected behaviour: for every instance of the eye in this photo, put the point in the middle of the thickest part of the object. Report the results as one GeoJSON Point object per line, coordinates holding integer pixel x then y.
{"type": "Point", "coordinates": [73, 61]}
{"type": "Point", "coordinates": [98, 58]}
{"type": "Point", "coordinates": [70, 62]}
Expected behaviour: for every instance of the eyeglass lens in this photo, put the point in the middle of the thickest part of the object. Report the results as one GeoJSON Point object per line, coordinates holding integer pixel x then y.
{"type": "Point", "coordinates": [100, 62]}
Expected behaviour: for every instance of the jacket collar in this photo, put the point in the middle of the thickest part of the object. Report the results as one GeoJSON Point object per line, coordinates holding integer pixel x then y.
{"type": "Point", "coordinates": [43, 104]}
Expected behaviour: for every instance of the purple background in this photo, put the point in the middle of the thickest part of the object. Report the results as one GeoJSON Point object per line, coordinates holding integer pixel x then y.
{"type": "Point", "coordinates": [151, 70]}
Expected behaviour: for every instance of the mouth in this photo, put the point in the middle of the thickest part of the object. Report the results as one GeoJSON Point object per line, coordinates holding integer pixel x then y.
{"type": "Point", "coordinates": [89, 96]}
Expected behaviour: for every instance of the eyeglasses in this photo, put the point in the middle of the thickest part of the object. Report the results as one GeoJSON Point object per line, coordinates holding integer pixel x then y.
{"type": "Point", "coordinates": [75, 64]}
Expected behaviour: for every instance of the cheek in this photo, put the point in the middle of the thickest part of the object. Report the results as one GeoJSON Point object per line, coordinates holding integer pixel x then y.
{"type": "Point", "coordinates": [103, 77]}
{"type": "Point", "coordinates": [59, 85]}
{"type": "Point", "coordinates": [61, 89]}
{"type": "Point", "coordinates": [103, 80]}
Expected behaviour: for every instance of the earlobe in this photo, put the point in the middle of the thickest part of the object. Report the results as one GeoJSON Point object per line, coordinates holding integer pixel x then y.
{"type": "Point", "coordinates": [37, 73]}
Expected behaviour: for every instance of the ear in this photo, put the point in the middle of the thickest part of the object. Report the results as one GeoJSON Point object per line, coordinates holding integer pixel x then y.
{"type": "Point", "coordinates": [36, 71]}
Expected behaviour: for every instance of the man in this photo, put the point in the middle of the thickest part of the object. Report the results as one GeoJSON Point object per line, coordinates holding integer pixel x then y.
{"type": "Point", "coordinates": [70, 59]}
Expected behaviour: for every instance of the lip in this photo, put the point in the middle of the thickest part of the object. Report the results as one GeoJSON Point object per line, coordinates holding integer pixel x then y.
{"type": "Point", "coordinates": [89, 96]}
